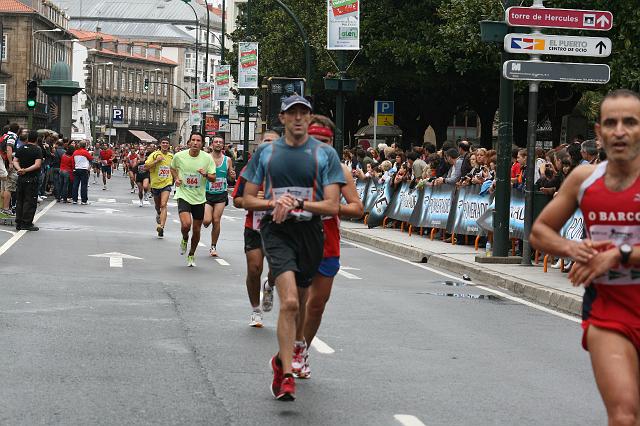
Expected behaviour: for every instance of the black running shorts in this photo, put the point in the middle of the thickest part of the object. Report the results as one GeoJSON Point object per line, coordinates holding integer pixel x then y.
{"type": "Point", "coordinates": [196, 210]}
{"type": "Point", "coordinates": [213, 199]}
{"type": "Point", "coordinates": [293, 246]}
{"type": "Point", "coordinates": [252, 240]}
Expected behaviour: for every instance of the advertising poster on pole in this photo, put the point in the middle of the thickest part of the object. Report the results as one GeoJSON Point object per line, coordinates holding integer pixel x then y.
{"type": "Point", "coordinates": [247, 65]}
{"type": "Point", "coordinates": [205, 97]}
{"type": "Point", "coordinates": [343, 24]}
{"type": "Point", "coordinates": [212, 125]}
{"type": "Point", "coordinates": [196, 114]}
{"type": "Point", "coordinates": [222, 82]}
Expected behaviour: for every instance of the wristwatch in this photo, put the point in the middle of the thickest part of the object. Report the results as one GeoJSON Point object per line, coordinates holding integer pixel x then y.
{"type": "Point", "coordinates": [625, 253]}
{"type": "Point", "coordinates": [300, 202]}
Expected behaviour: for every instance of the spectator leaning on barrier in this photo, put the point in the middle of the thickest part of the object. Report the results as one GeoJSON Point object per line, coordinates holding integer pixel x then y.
{"type": "Point", "coordinates": [589, 152]}
{"type": "Point", "coordinates": [385, 167]}
{"type": "Point", "coordinates": [444, 166]}
{"type": "Point", "coordinates": [464, 148]}
{"type": "Point", "coordinates": [417, 165]}
{"type": "Point", "coordinates": [452, 156]}
{"type": "Point", "coordinates": [402, 175]}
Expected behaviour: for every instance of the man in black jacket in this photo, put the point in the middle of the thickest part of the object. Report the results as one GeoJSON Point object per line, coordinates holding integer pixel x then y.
{"type": "Point", "coordinates": [27, 163]}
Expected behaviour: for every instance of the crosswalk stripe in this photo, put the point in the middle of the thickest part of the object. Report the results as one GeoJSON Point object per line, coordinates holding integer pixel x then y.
{"type": "Point", "coordinates": [222, 262]}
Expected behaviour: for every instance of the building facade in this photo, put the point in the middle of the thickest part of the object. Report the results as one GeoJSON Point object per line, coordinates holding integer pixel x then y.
{"type": "Point", "coordinates": [34, 37]}
{"type": "Point", "coordinates": [128, 88]}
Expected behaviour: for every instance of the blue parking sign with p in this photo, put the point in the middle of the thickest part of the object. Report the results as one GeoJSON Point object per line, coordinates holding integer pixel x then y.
{"type": "Point", "coordinates": [118, 114]}
{"type": "Point", "coordinates": [385, 107]}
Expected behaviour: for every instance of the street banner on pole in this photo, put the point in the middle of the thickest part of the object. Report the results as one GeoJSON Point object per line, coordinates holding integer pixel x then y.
{"type": "Point", "coordinates": [196, 114]}
{"type": "Point", "coordinates": [343, 24]}
{"type": "Point", "coordinates": [542, 44]}
{"type": "Point", "coordinates": [222, 82]}
{"type": "Point", "coordinates": [247, 65]}
{"type": "Point", "coordinates": [594, 20]}
{"type": "Point", "coordinates": [211, 125]}
{"type": "Point", "coordinates": [205, 97]}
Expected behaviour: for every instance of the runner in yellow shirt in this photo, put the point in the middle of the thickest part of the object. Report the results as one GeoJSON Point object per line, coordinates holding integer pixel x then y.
{"type": "Point", "coordinates": [159, 166]}
{"type": "Point", "coordinates": [191, 169]}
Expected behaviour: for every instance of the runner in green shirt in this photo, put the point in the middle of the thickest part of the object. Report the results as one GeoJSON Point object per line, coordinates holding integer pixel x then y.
{"type": "Point", "coordinates": [190, 170]}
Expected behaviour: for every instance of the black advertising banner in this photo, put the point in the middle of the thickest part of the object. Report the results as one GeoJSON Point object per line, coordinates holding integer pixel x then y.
{"type": "Point", "coordinates": [361, 188]}
{"type": "Point", "coordinates": [403, 203]}
{"type": "Point", "coordinates": [470, 207]}
{"type": "Point", "coordinates": [443, 197]}
{"type": "Point", "coordinates": [419, 215]}
{"type": "Point", "coordinates": [379, 206]}
{"type": "Point", "coordinates": [516, 214]}
{"type": "Point", "coordinates": [373, 192]}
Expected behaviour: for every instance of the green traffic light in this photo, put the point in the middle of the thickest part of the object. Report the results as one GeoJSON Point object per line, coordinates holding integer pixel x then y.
{"type": "Point", "coordinates": [31, 103]}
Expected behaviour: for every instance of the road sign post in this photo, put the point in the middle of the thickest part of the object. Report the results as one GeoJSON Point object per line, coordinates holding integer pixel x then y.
{"type": "Point", "coordinates": [383, 115]}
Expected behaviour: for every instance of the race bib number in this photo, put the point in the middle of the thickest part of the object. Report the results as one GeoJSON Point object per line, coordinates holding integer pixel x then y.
{"type": "Point", "coordinates": [164, 172]}
{"type": "Point", "coordinates": [296, 192]}
{"type": "Point", "coordinates": [257, 218]}
{"type": "Point", "coordinates": [192, 180]}
{"type": "Point", "coordinates": [104, 162]}
{"type": "Point", "coordinates": [220, 185]}
{"type": "Point", "coordinates": [618, 235]}
{"type": "Point", "coordinates": [141, 169]}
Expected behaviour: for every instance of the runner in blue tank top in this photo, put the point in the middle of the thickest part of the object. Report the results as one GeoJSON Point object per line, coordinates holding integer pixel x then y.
{"type": "Point", "coordinates": [217, 196]}
{"type": "Point", "coordinates": [302, 179]}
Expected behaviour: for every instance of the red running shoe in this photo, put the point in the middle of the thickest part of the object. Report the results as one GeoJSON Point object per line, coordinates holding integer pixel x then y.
{"type": "Point", "coordinates": [277, 377]}
{"type": "Point", "coordinates": [287, 390]}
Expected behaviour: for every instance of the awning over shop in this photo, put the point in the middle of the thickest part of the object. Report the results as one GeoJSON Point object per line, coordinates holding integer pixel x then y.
{"type": "Point", "coordinates": [143, 136]}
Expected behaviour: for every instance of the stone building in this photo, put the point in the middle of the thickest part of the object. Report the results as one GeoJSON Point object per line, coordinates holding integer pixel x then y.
{"type": "Point", "coordinates": [34, 37]}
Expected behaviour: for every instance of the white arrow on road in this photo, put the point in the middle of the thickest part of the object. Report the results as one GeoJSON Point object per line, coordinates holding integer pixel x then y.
{"type": "Point", "coordinates": [348, 275]}
{"type": "Point", "coordinates": [115, 258]}
{"type": "Point", "coordinates": [108, 211]}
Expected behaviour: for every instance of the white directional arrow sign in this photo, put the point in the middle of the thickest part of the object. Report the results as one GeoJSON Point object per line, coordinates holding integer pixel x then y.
{"type": "Point", "coordinates": [108, 211]}
{"type": "Point", "coordinates": [543, 44]}
{"type": "Point", "coordinates": [115, 258]}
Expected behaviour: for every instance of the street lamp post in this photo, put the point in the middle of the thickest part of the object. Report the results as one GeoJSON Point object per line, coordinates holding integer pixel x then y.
{"type": "Point", "coordinates": [195, 84]}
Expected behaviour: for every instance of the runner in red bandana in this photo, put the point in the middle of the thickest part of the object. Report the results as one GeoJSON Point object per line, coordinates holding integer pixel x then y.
{"type": "Point", "coordinates": [322, 129]}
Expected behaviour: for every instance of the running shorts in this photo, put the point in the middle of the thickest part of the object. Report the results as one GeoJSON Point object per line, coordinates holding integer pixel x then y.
{"type": "Point", "coordinates": [196, 210]}
{"type": "Point", "coordinates": [329, 266]}
{"type": "Point", "coordinates": [252, 240]}
{"type": "Point", "coordinates": [218, 198]}
{"type": "Point", "coordinates": [293, 246]}
{"type": "Point", "coordinates": [157, 191]}
{"type": "Point", "coordinates": [140, 177]}
{"type": "Point", "coordinates": [106, 170]}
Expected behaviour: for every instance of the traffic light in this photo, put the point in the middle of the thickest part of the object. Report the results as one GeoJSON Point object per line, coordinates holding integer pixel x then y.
{"type": "Point", "coordinates": [146, 84]}
{"type": "Point", "coordinates": [32, 94]}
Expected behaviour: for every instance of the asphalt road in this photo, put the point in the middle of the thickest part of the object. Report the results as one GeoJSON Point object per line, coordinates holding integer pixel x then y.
{"type": "Point", "coordinates": [155, 342]}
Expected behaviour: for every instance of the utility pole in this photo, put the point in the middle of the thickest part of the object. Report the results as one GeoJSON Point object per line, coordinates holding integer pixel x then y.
{"type": "Point", "coordinates": [245, 150]}
{"type": "Point", "coordinates": [222, 47]}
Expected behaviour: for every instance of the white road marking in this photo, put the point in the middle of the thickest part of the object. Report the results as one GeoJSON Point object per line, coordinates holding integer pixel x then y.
{"type": "Point", "coordinates": [231, 218]}
{"type": "Point", "coordinates": [7, 245]}
{"type": "Point", "coordinates": [8, 232]}
{"type": "Point", "coordinates": [108, 211]}
{"type": "Point", "coordinates": [408, 420]}
{"type": "Point", "coordinates": [201, 245]}
{"type": "Point", "coordinates": [115, 258]}
{"type": "Point", "coordinates": [137, 202]}
{"type": "Point", "coordinates": [321, 346]}
{"type": "Point", "coordinates": [106, 200]}
{"type": "Point", "coordinates": [490, 290]}
{"type": "Point", "coordinates": [176, 221]}
{"type": "Point", "coordinates": [348, 275]}
{"type": "Point", "coordinates": [222, 262]}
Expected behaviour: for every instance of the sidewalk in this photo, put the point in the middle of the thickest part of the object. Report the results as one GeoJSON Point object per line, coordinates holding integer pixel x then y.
{"type": "Point", "coordinates": [551, 289]}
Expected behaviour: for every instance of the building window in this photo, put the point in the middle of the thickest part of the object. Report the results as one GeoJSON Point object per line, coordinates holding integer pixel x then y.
{"type": "Point", "coordinates": [158, 115]}
{"type": "Point", "coordinates": [99, 78]}
{"type": "Point", "coordinates": [131, 82]}
{"type": "Point", "coordinates": [3, 54]}
{"type": "Point", "coordinates": [165, 86]}
{"type": "Point", "coordinates": [3, 97]}
{"type": "Point", "coordinates": [189, 63]}
{"type": "Point", "coordinates": [164, 116]}
{"type": "Point", "coordinates": [107, 81]}
{"type": "Point", "coordinates": [143, 117]}
{"type": "Point", "coordinates": [99, 112]}
{"type": "Point", "coordinates": [150, 114]}
{"type": "Point", "coordinates": [115, 79]}
{"type": "Point", "coordinates": [123, 81]}
{"type": "Point", "coordinates": [158, 86]}
{"type": "Point", "coordinates": [107, 113]}
{"type": "Point", "coordinates": [137, 116]}
{"type": "Point", "coordinates": [129, 114]}
{"type": "Point", "coordinates": [137, 83]}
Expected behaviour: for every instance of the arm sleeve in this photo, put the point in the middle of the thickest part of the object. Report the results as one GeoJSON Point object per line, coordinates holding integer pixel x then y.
{"type": "Point", "coordinates": [254, 172]}
{"type": "Point", "coordinates": [332, 170]}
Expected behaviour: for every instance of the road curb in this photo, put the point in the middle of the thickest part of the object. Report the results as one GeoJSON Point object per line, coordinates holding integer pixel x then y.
{"type": "Point", "coordinates": [542, 295]}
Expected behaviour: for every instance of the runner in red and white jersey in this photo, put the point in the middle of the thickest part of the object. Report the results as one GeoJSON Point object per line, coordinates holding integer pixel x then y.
{"type": "Point", "coordinates": [131, 161]}
{"type": "Point", "coordinates": [607, 263]}
{"type": "Point", "coordinates": [322, 129]}
{"type": "Point", "coordinates": [253, 250]}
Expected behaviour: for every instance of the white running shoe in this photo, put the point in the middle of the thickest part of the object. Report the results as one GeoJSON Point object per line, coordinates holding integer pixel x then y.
{"type": "Point", "coordinates": [141, 203]}
{"type": "Point", "coordinates": [299, 351]}
{"type": "Point", "coordinates": [191, 262]}
{"type": "Point", "coordinates": [305, 371]}
{"type": "Point", "coordinates": [267, 296]}
{"type": "Point", "coordinates": [133, 190]}
{"type": "Point", "coordinates": [256, 319]}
